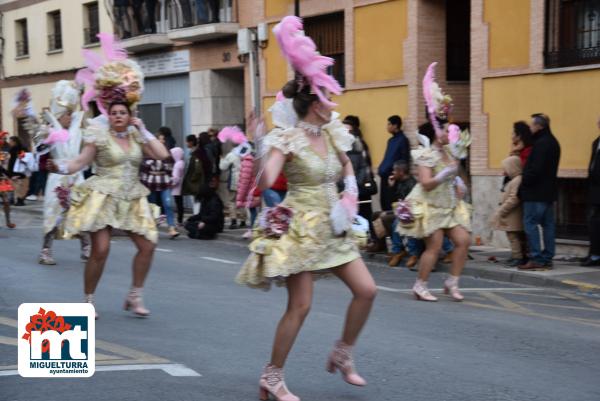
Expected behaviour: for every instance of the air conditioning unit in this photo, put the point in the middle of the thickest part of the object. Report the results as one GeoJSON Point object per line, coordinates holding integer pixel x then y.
{"type": "Point", "coordinates": [262, 31]}
{"type": "Point", "coordinates": [244, 41]}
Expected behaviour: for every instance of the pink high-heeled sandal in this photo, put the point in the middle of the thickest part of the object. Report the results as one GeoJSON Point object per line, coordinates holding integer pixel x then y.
{"type": "Point", "coordinates": [451, 288]}
{"type": "Point", "coordinates": [422, 293]}
{"type": "Point", "coordinates": [89, 299]}
{"type": "Point", "coordinates": [341, 359]}
{"type": "Point", "coordinates": [135, 303]}
{"type": "Point", "coordinates": [272, 383]}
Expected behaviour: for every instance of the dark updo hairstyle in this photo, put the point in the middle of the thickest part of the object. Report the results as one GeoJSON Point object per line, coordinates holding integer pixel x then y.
{"type": "Point", "coordinates": [302, 98]}
{"type": "Point", "coordinates": [169, 139]}
{"type": "Point", "coordinates": [118, 103]}
{"type": "Point", "coordinates": [352, 121]}
{"type": "Point", "coordinates": [523, 132]}
{"type": "Point", "coordinates": [428, 131]}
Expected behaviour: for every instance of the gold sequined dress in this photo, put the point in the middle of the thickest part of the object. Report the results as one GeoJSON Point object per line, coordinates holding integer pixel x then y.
{"type": "Point", "coordinates": [114, 197]}
{"type": "Point", "coordinates": [309, 244]}
{"type": "Point", "coordinates": [436, 209]}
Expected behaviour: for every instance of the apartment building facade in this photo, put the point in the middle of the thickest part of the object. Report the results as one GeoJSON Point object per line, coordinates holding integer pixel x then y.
{"type": "Point", "coordinates": [42, 43]}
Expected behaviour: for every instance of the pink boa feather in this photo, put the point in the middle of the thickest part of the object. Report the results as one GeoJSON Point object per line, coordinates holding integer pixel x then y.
{"type": "Point", "coordinates": [57, 136]}
{"type": "Point", "coordinates": [301, 52]}
{"type": "Point", "coordinates": [428, 80]}
{"type": "Point", "coordinates": [233, 134]}
{"type": "Point", "coordinates": [113, 51]}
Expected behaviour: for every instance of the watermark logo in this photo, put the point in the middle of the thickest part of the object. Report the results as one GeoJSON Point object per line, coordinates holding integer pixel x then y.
{"type": "Point", "coordinates": [57, 340]}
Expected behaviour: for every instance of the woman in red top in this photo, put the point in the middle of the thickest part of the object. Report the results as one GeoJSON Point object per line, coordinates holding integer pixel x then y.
{"type": "Point", "coordinates": [522, 141]}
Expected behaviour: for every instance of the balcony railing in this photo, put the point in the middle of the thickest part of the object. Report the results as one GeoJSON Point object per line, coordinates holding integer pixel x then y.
{"type": "Point", "coordinates": [22, 48]}
{"type": "Point", "coordinates": [572, 33]}
{"type": "Point", "coordinates": [572, 57]}
{"type": "Point", "coordinates": [54, 42]}
{"type": "Point", "coordinates": [188, 13]}
{"type": "Point", "coordinates": [90, 35]}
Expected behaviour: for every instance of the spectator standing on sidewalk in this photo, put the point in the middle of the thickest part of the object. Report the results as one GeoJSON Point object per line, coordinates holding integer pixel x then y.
{"type": "Point", "coordinates": [539, 191]}
{"type": "Point", "coordinates": [509, 215]}
{"type": "Point", "coordinates": [232, 163]}
{"type": "Point", "coordinates": [594, 198]}
{"type": "Point", "coordinates": [363, 168]}
{"type": "Point", "coordinates": [522, 141]}
{"type": "Point", "coordinates": [177, 181]}
{"type": "Point", "coordinates": [398, 148]}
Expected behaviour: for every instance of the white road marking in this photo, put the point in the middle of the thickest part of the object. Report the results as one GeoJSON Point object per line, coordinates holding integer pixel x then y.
{"type": "Point", "coordinates": [173, 369]}
{"type": "Point", "coordinates": [499, 289]}
{"type": "Point", "coordinates": [164, 250]}
{"type": "Point", "coordinates": [227, 262]}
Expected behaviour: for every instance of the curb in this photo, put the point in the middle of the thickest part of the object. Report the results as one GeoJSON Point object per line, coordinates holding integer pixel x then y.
{"type": "Point", "coordinates": [472, 270]}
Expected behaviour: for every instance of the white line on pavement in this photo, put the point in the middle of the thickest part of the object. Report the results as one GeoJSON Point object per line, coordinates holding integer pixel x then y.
{"type": "Point", "coordinates": [164, 250]}
{"type": "Point", "coordinates": [174, 369]}
{"type": "Point", "coordinates": [499, 289]}
{"type": "Point", "coordinates": [228, 262]}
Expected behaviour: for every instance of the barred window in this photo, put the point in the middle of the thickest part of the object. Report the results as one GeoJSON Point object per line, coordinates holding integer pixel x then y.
{"type": "Point", "coordinates": [328, 33]}
{"type": "Point", "coordinates": [22, 42]}
{"type": "Point", "coordinates": [572, 33]}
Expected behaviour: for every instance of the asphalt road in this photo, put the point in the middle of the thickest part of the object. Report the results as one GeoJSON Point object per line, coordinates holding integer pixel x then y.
{"type": "Point", "coordinates": [208, 338]}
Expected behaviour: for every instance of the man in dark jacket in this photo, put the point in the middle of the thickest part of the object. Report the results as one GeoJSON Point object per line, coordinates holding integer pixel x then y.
{"type": "Point", "coordinates": [398, 148]}
{"type": "Point", "coordinates": [538, 192]}
{"type": "Point", "coordinates": [594, 198]}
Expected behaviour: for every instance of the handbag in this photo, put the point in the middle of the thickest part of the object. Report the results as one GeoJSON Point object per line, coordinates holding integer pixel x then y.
{"type": "Point", "coordinates": [368, 188]}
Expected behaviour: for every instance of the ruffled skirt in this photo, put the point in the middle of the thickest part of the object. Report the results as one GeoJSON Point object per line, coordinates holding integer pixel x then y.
{"type": "Point", "coordinates": [92, 210]}
{"type": "Point", "coordinates": [428, 219]}
{"type": "Point", "coordinates": [309, 245]}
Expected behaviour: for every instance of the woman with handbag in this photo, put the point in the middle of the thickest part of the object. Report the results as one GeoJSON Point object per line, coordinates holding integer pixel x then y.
{"type": "Point", "coordinates": [306, 235]}
{"type": "Point", "coordinates": [360, 157]}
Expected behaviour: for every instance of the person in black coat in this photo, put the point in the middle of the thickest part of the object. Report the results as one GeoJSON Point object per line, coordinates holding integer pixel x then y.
{"type": "Point", "coordinates": [538, 192]}
{"type": "Point", "coordinates": [594, 199]}
{"type": "Point", "coordinates": [211, 219]}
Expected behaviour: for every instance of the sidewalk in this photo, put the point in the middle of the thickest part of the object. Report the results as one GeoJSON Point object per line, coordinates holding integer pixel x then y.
{"type": "Point", "coordinates": [566, 274]}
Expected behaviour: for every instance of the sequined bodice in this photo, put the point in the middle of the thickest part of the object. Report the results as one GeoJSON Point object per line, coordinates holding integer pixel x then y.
{"type": "Point", "coordinates": [117, 169]}
{"type": "Point", "coordinates": [312, 178]}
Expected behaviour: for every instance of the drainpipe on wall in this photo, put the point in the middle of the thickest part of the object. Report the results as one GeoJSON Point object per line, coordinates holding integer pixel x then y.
{"type": "Point", "coordinates": [1, 46]}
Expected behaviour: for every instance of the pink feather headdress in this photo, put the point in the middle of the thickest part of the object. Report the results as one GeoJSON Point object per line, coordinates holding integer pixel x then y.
{"type": "Point", "coordinates": [110, 76]}
{"type": "Point", "coordinates": [302, 54]}
{"type": "Point", "coordinates": [233, 134]}
{"type": "Point", "coordinates": [438, 104]}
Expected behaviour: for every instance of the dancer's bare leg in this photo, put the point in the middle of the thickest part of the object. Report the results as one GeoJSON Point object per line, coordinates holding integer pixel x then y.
{"type": "Point", "coordinates": [95, 264]}
{"type": "Point", "coordinates": [142, 260]}
{"type": "Point", "coordinates": [433, 245]}
{"type": "Point", "coordinates": [358, 278]}
{"type": "Point", "coordinates": [461, 239]}
{"type": "Point", "coordinates": [6, 206]}
{"type": "Point", "coordinates": [300, 290]}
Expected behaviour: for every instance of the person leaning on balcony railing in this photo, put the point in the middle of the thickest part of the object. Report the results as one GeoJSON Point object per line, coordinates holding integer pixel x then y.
{"type": "Point", "coordinates": [122, 16]}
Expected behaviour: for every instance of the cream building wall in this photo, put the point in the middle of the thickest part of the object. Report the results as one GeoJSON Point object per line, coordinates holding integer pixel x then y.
{"type": "Point", "coordinates": [40, 69]}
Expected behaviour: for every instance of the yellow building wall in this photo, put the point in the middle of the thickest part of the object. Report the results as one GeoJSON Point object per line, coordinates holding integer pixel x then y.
{"type": "Point", "coordinates": [274, 8]}
{"type": "Point", "coordinates": [39, 93]}
{"type": "Point", "coordinates": [373, 106]}
{"type": "Point", "coordinates": [509, 30]}
{"type": "Point", "coordinates": [72, 12]}
{"type": "Point", "coordinates": [275, 64]}
{"type": "Point", "coordinates": [379, 34]}
{"type": "Point", "coordinates": [571, 100]}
